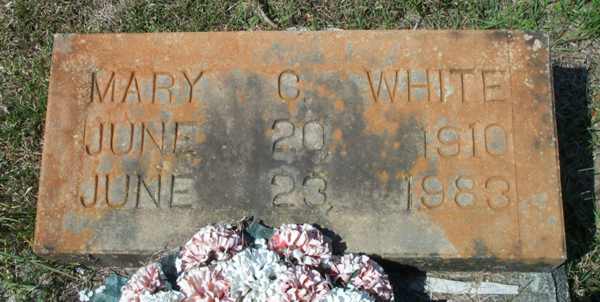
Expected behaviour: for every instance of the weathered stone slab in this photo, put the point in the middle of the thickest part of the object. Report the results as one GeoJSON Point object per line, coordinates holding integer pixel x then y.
{"type": "Point", "coordinates": [421, 147]}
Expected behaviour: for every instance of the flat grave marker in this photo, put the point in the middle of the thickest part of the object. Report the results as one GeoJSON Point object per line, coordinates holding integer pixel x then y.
{"type": "Point", "coordinates": [423, 147]}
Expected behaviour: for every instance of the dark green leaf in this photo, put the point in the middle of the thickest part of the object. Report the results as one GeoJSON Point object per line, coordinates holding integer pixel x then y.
{"type": "Point", "coordinates": [112, 290]}
{"type": "Point", "coordinates": [259, 231]}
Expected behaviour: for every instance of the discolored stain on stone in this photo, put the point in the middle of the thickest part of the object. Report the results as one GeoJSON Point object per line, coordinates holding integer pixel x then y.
{"type": "Point", "coordinates": [499, 35]}
{"type": "Point", "coordinates": [480, 249]}
{"type": "Point", "coordinates": [427, 148]}
{"type": "Point", "coordinates": [537, 143]}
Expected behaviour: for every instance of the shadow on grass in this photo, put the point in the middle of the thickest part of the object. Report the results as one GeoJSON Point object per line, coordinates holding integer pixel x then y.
{"type": "Point", "coordinates": [575, 143]}
{"type": "Point", "coordinates": [408, 282]}
{"type": "Point", "coordinates": [576, 158]}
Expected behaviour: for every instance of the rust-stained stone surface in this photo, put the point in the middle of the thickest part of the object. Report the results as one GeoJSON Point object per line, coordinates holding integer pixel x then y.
{"type": "Point", "coordinates": [421, 147]}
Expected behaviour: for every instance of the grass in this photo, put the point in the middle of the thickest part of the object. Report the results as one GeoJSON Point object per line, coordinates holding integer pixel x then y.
{"type": "Point", "coordinates": [26, 29]}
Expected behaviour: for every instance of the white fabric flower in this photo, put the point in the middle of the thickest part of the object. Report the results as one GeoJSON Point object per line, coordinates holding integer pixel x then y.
{"type": "Point", "coordinates": [162, 296]}
{"type": "Point", "coordinates": [347, 295]}
{"type": "Point", "coordinates": [85, 295]}
{"type": "Point", "coordinates": [253, 274]}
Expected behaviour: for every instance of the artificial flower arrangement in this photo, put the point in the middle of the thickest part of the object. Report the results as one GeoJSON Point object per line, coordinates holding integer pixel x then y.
{"type": "Point", "coordinates": [230, 263]}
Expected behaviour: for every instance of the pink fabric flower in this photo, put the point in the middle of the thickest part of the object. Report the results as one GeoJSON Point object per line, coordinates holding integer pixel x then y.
{"type": "Point", "coordinates": [361, 272]}
{"type": "Point", "coordinates": [302, 243]}
{"type": "Point", "coordinates": [147, 279]}
{"type": "Point", "coordinates": [213, 242]}
{"type": "Point", "coordinates": [302, 284]}
{"type": "Point", "coordinates": [205, 284]}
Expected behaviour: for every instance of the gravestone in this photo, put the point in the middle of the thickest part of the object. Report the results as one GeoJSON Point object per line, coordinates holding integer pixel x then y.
{"type": "Point", "coordinates": [422, 147]}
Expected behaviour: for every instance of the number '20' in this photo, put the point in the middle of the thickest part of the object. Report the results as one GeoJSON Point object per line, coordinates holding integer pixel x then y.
{"type": "Point", "coordinates": [311, 136]}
